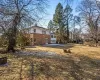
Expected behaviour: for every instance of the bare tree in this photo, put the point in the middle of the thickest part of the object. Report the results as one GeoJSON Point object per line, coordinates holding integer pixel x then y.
{"type": "Point", "coordinates": [90, 14]}
{"type": "Point", "coordinates": [17, 13]}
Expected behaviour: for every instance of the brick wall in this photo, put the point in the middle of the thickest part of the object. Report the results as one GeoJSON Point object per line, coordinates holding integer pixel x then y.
{"type": "Point", "coordinates": [39, 39]}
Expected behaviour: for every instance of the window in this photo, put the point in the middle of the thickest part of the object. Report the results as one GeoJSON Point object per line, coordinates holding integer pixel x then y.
{"type": "Point", "coordinates": [43, 32]}
{"type": "Point", "coordinates": [34, 30]}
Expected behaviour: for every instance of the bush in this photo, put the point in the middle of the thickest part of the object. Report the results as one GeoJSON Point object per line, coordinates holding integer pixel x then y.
{"type": "Point", "coordinates": [22, 40]}
{"type": "Point", "coordinates": [3, 41]}
{"type": "Point", "coordinates": [90, 43]}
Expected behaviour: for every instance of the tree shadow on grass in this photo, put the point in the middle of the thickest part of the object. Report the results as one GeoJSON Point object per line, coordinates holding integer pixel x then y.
{"type": "Point", "coordinates": [66, 68]}
{"type": "Point", "coordinates": [57, 67]}
{"type": "Point", "coordinates": [86, 69]}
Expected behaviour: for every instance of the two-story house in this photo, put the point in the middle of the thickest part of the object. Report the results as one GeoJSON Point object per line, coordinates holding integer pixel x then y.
{"type": "Point", "coordinates": [38, 35]}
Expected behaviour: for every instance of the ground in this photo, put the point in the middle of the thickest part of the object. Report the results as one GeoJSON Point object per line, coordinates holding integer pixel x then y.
{"type": "Point", "coordinates": [49, 62]}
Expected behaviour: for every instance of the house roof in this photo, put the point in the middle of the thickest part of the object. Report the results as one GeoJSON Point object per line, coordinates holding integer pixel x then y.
{"type": "Point", "coordinates": [38, 27]}
{"type": "Point", "coordinates": [35, 26]}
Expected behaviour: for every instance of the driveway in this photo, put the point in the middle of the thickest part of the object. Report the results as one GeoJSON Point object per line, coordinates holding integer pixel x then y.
{"type": "Point", "coordinates": [54, 45]}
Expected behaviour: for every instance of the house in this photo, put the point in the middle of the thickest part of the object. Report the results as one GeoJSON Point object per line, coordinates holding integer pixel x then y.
{"type": "Point", "coordinates": [38, 35]}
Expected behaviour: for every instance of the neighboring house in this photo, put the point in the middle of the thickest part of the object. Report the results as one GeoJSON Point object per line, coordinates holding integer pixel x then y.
{"type": "Point", "coordinates": [38, 35]}
{"type": "Point", "coordinates": [53, 38]}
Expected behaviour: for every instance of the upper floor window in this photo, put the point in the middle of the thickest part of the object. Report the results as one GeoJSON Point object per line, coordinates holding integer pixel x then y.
{"type": "Point", "coordinates": [43, 32]}
{"type": "Point", "coordinates": [34, 30]}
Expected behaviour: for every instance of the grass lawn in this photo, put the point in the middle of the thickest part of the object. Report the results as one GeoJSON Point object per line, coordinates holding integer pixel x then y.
{"type": "Point", "coordinates": [82, 64]}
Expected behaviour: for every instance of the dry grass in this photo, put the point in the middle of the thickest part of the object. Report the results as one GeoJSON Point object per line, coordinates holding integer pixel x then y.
{"type": "Point", "coordinates": [82, 64]}
{"type": "Point", "coordinates": [91, 52]}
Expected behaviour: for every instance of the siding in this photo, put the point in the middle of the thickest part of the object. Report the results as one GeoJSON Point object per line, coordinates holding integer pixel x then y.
{"type": "Point", "coordinates": [39, 30]}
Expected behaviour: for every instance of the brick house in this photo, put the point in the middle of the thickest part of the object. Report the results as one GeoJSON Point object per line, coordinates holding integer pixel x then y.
{"type": "Point", "coordinates": [38, 35]}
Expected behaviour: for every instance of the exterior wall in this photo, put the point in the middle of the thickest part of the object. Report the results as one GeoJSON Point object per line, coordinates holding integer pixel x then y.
{"type": "Point", "coordinates": [47, 32]}
{"type": "Point", "coordinates": [31, 39]}
{"type": "Point", "coordinates": [39, 30]}
{"type": "Point", "coordinates": [38, 37]}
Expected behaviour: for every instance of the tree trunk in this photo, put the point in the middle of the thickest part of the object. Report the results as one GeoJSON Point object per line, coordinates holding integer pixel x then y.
{"type": "Point", "coordinates": [96, 39]}
{"type": "Point", "coordinates": [11, 44]}
{"type": "Point", "coordinates": [12, 33]}
{"type": "Point", "coordinates": [67, 31]}
{"type": "Point", "coordinates": [11, 39]}
{"type": "Point", "coordinates": [96, 31]}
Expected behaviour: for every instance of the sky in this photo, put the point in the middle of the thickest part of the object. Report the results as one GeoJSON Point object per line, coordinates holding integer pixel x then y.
{"type": "Point", "coordinates": [51, 10]}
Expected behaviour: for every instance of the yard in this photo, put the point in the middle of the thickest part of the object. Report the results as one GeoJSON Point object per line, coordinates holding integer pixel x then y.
{"type": "Point", "coordinates": [51, 63]}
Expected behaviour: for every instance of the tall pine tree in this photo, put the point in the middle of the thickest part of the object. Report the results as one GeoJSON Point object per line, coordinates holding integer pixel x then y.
{"type": "Point", "coordinates": [62, 18]}
{"type": "Point", "coordinates": [67, 17]}
{"type": "Point", "coordinates": [51, 26]}
{"type": "Point", "coordinates": [58, 16]}
{"type": "Point", "coordinates": [58, 20]}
